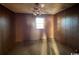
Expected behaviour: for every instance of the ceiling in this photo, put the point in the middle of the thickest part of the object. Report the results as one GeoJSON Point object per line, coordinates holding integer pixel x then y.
{"type": "Point", "coordinates": [49, 8]}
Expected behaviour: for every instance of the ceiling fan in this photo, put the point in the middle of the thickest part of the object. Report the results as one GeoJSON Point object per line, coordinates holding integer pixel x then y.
{"type": "Point", "coordinates": [38, 9]}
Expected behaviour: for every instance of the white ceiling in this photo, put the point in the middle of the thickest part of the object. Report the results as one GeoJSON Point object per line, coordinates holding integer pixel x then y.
{"type": "Point", "coordinates": [50, 8]}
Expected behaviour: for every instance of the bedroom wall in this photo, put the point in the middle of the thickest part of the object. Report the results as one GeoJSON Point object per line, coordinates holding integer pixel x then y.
{"type": "Point", "coordinates": [26, 27]}
{"type": "Point", "coordinates": [7, 35]}
{"type": "Point", "coordinates": [67, 26]}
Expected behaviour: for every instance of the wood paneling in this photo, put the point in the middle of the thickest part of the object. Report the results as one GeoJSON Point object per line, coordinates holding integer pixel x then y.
{"type": "Point", "coordinates": [25, 28]}
{"type": "Point", "coordinates": [6, 30]}
{"type": "Point", "coordinates": [67, 26]}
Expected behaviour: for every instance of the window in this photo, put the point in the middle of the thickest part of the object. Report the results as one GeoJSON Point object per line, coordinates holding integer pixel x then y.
{"type": "Point", "coordinates": [39, 23]}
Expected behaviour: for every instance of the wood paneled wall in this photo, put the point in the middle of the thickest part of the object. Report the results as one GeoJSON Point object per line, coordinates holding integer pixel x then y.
{"type": "Point", "coordinates": [26, 27]}
{"type": "Point", "coordinates": [67, 26]}
{"type": "Point", "coordinates": [7, 37]}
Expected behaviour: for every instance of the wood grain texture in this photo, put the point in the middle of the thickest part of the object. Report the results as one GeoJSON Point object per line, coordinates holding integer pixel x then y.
{"type": "Point", "coordinates": [67, 27]}
{"type": "Point", "coordinates": [6, 30]}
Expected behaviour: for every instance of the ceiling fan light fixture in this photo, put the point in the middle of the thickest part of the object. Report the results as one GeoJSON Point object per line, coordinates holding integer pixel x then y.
{"type": "Point", "coordinates": [42, 5]}
{"type": "Point", "coordinates": [38, 9]}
